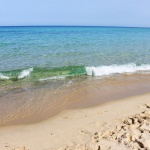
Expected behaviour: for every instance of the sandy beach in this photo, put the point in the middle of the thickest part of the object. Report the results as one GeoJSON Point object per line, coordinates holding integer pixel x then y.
{"type": "Point", "coordinates": [74, 87]}
{"type": "Point", "coordinates": [116, 125]}
{"type": "Point", "coordinates": [74, 75]}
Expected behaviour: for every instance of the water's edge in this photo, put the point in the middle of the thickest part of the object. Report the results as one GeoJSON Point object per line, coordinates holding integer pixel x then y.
{"type": "Point", "coordinates": [36, 105]}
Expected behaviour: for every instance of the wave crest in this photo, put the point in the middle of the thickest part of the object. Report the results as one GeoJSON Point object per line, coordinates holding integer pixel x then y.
{"type": "Point", "coordinates": [116, 69]}
{"type": "Point", "coordinates": [25, 73]}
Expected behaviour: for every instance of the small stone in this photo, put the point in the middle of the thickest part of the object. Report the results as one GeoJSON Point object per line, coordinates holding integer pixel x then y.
{"type": "Point", "coordinates": [129, 137]}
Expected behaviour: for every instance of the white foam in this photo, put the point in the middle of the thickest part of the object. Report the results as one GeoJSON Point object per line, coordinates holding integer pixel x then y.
{"type": "Point", "coordinates": [116, 69]}
{"type": "Point", "coordinates": [53, 78]}
{"type": "Point", "coordinates": [3, 76]}
{"type": "Point", "coordinates": [25, 73]}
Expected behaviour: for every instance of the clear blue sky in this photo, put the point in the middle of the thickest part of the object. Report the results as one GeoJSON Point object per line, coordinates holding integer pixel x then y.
{"type": "Point", "coordinates": [75, 12]}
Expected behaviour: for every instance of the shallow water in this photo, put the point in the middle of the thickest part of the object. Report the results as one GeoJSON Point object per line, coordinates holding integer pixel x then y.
{"type": "Point", "coordinates": [44, 70]}
{"type": "Point", "coordinates": [37, 104]}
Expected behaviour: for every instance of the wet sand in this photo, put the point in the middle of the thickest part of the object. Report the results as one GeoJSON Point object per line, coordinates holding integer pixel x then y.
{"type": "Point", "coordinates": [36, 105]}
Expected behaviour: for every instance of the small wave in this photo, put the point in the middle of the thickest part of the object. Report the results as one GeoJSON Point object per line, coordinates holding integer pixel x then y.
{"type": "Point", "coordinates": [3, 76]}
{"type": "Point", "coordinates": [25, 73]}
{"type": "Point", "coordinates": [116, 69]}
{"type": "Point", "coordinates": [53, 78]}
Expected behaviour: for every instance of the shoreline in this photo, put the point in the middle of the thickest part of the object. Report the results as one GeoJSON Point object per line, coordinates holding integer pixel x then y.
{"type": "Point", "coordinates": [75, 88]}
{"type": "Point", "coordinates": [38, 105]}
{"type": "Point", "coordinates": [81, 125]}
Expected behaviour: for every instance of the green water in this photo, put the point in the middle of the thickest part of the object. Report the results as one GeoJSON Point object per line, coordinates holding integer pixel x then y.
{"type": "Point", "coordinates": [38, 54]}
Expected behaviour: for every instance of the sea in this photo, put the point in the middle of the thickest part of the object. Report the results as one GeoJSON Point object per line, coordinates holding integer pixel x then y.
{"type": "Point", "coordinates": [51, 59]}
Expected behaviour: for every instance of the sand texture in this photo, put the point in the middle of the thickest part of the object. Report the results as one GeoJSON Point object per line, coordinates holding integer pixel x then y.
{"type": "Point", "coordinates": [117, 125]}
{"type": "Point", "coordinates": [133, 133]}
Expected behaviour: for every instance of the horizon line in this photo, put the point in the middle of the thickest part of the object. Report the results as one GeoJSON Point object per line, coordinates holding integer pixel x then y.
{"type": "Point", "coordinates": [72, 26]}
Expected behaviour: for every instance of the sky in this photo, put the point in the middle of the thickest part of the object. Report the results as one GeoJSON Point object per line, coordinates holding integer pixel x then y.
{"type": "Point", "coordinates": [135, 13]}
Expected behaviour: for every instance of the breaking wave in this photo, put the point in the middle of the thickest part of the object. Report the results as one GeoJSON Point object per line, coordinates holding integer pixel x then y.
{"type": "Point", "coordinates": [43, 74]}
{"type": "Point", "coordinates": [25, 73]}
{"type": "Point", "coordinates": [116, 69]}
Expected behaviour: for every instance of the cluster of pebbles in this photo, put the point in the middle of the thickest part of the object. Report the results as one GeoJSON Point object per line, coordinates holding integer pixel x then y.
{"type": "Point", "coordinates": [133, 133]}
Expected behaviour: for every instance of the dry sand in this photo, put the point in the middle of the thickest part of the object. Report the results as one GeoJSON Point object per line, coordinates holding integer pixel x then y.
{"type": "Point", "coordinates": [116, 125]}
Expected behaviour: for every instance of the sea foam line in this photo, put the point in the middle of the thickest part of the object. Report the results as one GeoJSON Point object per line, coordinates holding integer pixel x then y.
{"type": "Point", "coordinates": [53, 78]}
{"type": "Point", "coordinates": [116, 69]}
{"type": "Point", "coordinates": [25, 73]}
{"type": "Point", "coordinates": [3, 76]}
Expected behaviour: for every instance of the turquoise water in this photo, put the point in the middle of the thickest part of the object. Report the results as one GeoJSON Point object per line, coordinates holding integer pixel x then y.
{"type": "Point", "coordinates": [47, 53]}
